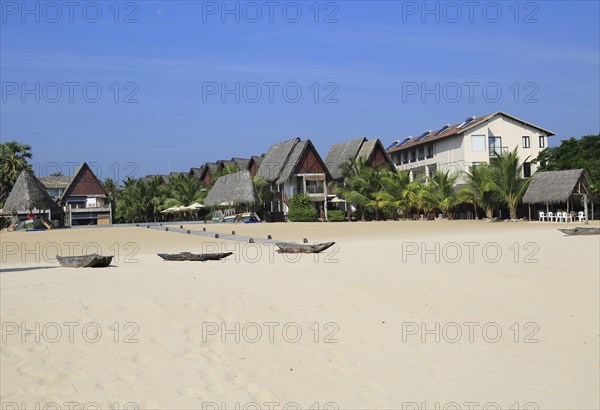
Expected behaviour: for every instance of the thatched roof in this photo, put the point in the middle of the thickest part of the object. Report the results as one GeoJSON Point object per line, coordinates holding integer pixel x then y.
{"type": "Point", "coordinates": [282, 160]}
{"type": "Point", "coordinates": [276, 159]}
{"type": "Point", "coordinates": [550, 187]}
{"type": "Point", "coordinates": [340, 153]}
{"type": "Point", "coordinates": [55, 182]}
{"type": "Point", "coordinates": [27, 194]}
{"type": "Point", "coordinates": [240, 163]}
{"type": "Point", "coordinates": [256, 159]}
{"type": "Point", "coordinates": [236, 188]}
{"type": "Point", "coordinates": [359, 147]}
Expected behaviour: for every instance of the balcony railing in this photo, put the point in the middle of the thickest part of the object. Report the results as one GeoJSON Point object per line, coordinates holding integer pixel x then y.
{"type": "Point", "coordinates": [315, 189]}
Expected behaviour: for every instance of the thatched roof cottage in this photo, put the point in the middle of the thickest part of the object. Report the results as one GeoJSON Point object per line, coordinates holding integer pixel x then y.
{"type": "Point", "coordinates": [373, 152]}
{"type": "Point", "coordinates": [294, 167]}
{"type": "Point", "coordinates": [233, 190]}
{"type": "Point", "coordinates": [29, 195]}
{"type": "Point", "coordinates": [569, 188]}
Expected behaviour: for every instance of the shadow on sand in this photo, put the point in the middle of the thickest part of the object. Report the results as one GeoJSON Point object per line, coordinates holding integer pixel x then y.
{"type": "Point", "coordinates": [26, 269]}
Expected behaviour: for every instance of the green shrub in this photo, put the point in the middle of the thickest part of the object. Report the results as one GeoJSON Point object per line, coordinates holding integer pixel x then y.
{"type": "Point", "coordinates": [302, 209]}
{"type": "Point", "coordinates": [302, 215]}
{"type": "Point", "coordinates": [336, 216]}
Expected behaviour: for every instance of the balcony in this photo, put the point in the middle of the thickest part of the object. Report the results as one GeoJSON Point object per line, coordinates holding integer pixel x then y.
{"type": "Point", "coordinates": [315, 189]}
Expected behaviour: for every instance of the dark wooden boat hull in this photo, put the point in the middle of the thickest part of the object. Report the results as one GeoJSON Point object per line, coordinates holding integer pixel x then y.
{"type": "Point", "coordinates": [581, 231]}
{"type": "Point", "coordinates": [85, 261]}
{"type": "Point", "coordinates": [285, 247]}
{"type": "Point", "coordinates": [194, 257]}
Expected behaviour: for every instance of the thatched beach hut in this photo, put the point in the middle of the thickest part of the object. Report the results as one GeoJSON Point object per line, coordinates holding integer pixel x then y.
{"type": "Point", "coordinates": [29, 195]}
{"type": "Point", "coordinates": [233, 189]}
{"type": "Point", "coordinates": [569, 188]}
{"type": "Point", "coordinates": [372, 151]}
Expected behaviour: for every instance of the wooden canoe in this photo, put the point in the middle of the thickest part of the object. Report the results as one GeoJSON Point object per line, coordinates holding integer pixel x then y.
{"type": "Point", "coordinates": [581, 231]}
{"type": "Point", "coordinates": [287, 247]}
{"type": "Point", "coordinates": [188, 256]}
{"type": "Point", "coordinates": [85, 261]}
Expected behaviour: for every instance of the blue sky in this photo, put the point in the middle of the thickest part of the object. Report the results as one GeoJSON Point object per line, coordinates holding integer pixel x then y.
{"type": "Point", "coordinates": [363, 69]}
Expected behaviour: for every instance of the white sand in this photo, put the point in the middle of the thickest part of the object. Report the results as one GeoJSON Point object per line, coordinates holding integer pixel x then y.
{"type": "Point", "coordinates": [368, 294]}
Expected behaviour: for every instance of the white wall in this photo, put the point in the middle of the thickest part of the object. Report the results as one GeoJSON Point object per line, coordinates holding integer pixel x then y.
{"type": "Point", "coordinates": [455, 152]}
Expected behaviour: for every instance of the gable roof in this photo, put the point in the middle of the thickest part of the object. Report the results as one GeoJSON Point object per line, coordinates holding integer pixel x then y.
{"type": "Point", "coordinates": [456, 129]}
{"type": "Point", "coordinates": [358, 147]}
{"type": "Point", "coordinates": [240, 163]}
{"type": "Point", "coordinates": [550, 187]}
{"type": "Point", "coordinates": [276, 159]}
{"type": "Point", "coordinates": [236, 188]}
{"type": "Point", "coordinates": [27, 194]}
{"type": "Point", "coordinates": [282, 159]}
{"type": "Point", "coordinates": [368, 150]}
{"type": "Point", "coordinates": [55, 182]}
{"type": "Point", "coordinates": [76, 178]}
{"type": "Point", "coordinates": [339, 153]}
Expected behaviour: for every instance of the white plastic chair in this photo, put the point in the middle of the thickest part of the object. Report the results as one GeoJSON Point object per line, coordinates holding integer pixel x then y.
{"type": "Point", "coordinates": [560, 216]}
{"type": "Point", "coordinates": [568, 217]}
{"type": "Point", "coordinates": [581, 216]}
{"type": "Point", "coordinates": [551, 216]}
{"type": "Point", "coordinates": [542, 216]}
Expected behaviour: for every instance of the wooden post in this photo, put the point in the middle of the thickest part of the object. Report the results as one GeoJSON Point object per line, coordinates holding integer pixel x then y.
{"type": "Point", "coordinates": [325, 202]}
{"type": "Point", "coordinates": [592, 210]}
{"type": "Point", "coordinates": [585, 208]}
{"type": "Point", "coordinates": [529, 212]}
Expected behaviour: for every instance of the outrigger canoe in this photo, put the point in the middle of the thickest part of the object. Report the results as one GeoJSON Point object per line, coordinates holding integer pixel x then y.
{"type": "Point", "coordinates": [287, 247]}
{"type": "Point", "coordinates": [188, 256]}
{"type": "Point", "coordinates": [85, 261]}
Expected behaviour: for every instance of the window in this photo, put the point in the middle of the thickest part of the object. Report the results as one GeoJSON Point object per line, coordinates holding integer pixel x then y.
{"type": "Point", "coordinates": [495, 145]}
{"type": "Point", "coordinates": [432, 170]}
{"type": "Point", "coordinates": [526, 169]}
{"type": "Point", "coordinates": [526, 143]}
{"type": "Point", "coordinates": [430, 151]}
{"type": "Point", "coordinates": [542, 141]}
{"type": "Point", "coordinates": [476, 164]}
{"type": "Point", "coordinates": [478, 143]}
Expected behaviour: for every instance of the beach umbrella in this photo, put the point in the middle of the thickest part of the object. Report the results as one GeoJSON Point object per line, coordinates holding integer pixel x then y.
{"type": "Point", "coordinates": [194, 206]}
{"type": "Point", "coordinates": [169, 210]}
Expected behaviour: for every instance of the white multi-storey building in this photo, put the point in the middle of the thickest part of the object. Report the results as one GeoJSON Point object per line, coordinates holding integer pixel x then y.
{"type": "Point", "coordinates": [472, 142]}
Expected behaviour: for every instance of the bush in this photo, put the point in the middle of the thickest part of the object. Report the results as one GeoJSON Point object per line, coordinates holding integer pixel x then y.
{"type": "Point", "coordinates": [302, 209]}
{"type": "Point", "coordinates": [336, 216]}
{"type": "Point", "coordinates": [302, 215]}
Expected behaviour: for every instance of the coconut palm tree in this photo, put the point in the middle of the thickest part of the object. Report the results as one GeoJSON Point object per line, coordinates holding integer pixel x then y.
{"type": "Point", "coordinates": [14, 158]}
{"type": "Point", "coordinates": [441, 187]}
{"type": "Point", "coordinates": [505, 179]}
{"type": "Point", "coordinates": [184, 190]}
{"type": "Point", "coordinates": [361, 184]}
{"type": "Point", "coordinates": [420, 197]}
{"type": "Point", "coordinates": [478, 190]}
{"type": "Point", "coordinates": [264, 191]}
{"type": "Point", "coordinates": [394, 193]}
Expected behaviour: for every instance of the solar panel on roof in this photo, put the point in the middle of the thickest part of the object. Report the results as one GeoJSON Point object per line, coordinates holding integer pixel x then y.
{"type": "Point", "coordinates": [444, 128]}
{"type": "Point", "coordinates": [465, 122]}
{"type": "Point", "coordinates": [424, 135]}
{"type": "Point", "coordinates": [395, 143]}
{"type": "Point", "coordinates": [406, 140]}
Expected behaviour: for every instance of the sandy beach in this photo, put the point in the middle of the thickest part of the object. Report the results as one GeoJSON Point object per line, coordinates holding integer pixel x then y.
{"type": "Point", "coordinates": [408, 315]}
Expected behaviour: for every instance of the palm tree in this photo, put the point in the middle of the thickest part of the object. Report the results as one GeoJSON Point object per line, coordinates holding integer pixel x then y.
{"type": "Point", "coordinates": [478, 190]}
{"type": "Point", "coordinates": [14, 158]}
{"type": "Point", "coordinates": [111, 188]}
{"type": "Point", "coordinates": [184, 190]}
{"type": "Point", "coordinates": [442, 189]}
{"type": "Point", "coordinates": [394, 193]}
{"type": "Point", "coordinates": [361, 185]}
{"type": "Point", "coordinates": [420, 197]}
{"type": "Point", "coordinates": [505, 179]}
{"type": "Point", "coordinates": [263, 190]}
